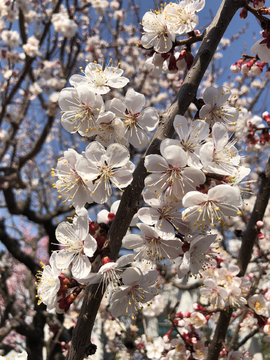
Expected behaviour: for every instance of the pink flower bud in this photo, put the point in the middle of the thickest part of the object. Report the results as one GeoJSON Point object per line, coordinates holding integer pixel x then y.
{"type": "Point", "coordinates": [235, 69]}
{"type": "Point", "coordinates": [260, 236]}
{"type": "Point", "coordinates": [266, 116]}
{"type": "Point", "coordinates": [255, 69]}
{"type": "Point", "coordinates": [267, 73]}
{"type": "Point", "coordinates": [259, 224]}
{"type": "Point", "coordinates": [247, 66]}
{"type": "Point", "coordinates": [167, 336]}
{"type": "Point", "coordinates": [106, 260]}
{"type": "Point", "coordinates": [243, 13]}
{"type": "Point", "coordinates": [258, 3]}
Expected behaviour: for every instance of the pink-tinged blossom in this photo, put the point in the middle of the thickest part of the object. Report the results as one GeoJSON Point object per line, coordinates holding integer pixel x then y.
{"type": "Point", "coordinates": [220, 155]}
{"type": "Point", "coordinates": [195, 257]}
{"type": "Point", "coordinates": [109, 273]}
{"type": "Point", "coordinates": [191, 138]}
{"type": "Point", "coordinates": [11, 38]}
{"type": "Point", "coordinates": [77, 245]}
{"type": "Point", "coordinates": [70, 185]}
{"type": "Point", "coordinates": [99, 168]}
{"type": "Point", "coordinates": [258, 303]}
{"type": "Point", "coordinates": [153, 245]}
{"type": "Point", "coordinates": [163, 213]}
{"type": "Point", "coordinates": [266, 330]}
{"type": "Point", "coordinates": [216, 106]}
{"type": "Point", "coordinates": [137, 290]}
{"type": "Point", "coordinates": [104, 216]}
{"type": "Point", "coordinates": [154, 349]}
{"type": "Point", "coordinates": [181, 16]}
{"type": "Point", "coordinates": [98, 80]}
{"type": "Point", "coordinates": [214, 294]}
{"type": "Point", "coordinates": [110, 130]}
{"type": "Point", "coordinates": [81, 108]}
{"type": "Point", "coordinates": [197, 320]}
{"type": "Point", "coordinates": [262, 47]}
{"type": "Point", "coordinates": [212, 208]}
{"type": "Point", "coordinates": [170, 171]}
{"type": "Point", "coordinates": [137, 122]}
{"type": "Point", "coordinates": [200, 350]}
{"type": "Point", "coordinates": [156, 32]}
{"type": "Point", "coordinates": [238, 355]}
{"type": "Point", "coordinates": [48, 283]}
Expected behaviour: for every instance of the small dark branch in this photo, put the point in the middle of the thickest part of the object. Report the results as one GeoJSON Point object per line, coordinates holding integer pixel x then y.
{"type": "Point", "coordinates": [220, 333]}
{"type": "Point", "coordinates": [14, 248]}
{"type": "Point", "coordinates": [37, 147]}
{"type": "Point", "coordinates": [265, 22]}
{"type": "Point", "coordinates": [40, 97]}
{"type": "Point", "coordinates": [22, 27]}
{"type": "Point", "coordinates": [23, 208]}
{"type": "Point", "coordinates": [27, 67]}
{"type": "Point", "coordinates": [48, 24]}
{"type": "Point", "coordinates": [70, 65]}
{"type": "Point", "coordinates": [250, 234]}
{"type": "Point", "coordinates": [193, 286]}
{"type": "Point", "coordinates": [6, 348]}
{"type": "Point", "coordinates": [236, 331]}
{"type": "Point", "coordinates": [256, 97]}
{"type": "Point", "coordinates": [246, 338]}
{"type": "Point", "coordinates": [190, 40]}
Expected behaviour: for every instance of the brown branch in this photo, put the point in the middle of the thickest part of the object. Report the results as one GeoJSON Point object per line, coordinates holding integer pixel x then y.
{"type": "Point", "coordinates": [23, 208]}
{"type": "Point", "coordinates": [265, 22]}
{"type": "Point", "coordinates": [82, 333]}
{"type": "Point", "coordinates": [190, 40]}
{"type": "Point", "coordinates": [14, 248]}
{"type": "Point", "coordinates": [250, 234]}
{"type": "Point", "coordinates": [193, 286]}
{"type": "Point", "coordinates": [246, 338]}
{"type": "Point", "coordinates": [27, 67]}
{"type": "Point", "coordinates": [248, 239]}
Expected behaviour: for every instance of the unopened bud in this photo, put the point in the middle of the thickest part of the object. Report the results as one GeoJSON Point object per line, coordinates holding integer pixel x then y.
{"type": "Point", "coordinates": [267, 73]}
{"type": "Point", "coordinates": [266, 117]}
{"type": "Point", "coordinates": [259, 224]}
{"type": "Point", "coordinates": [258, 3]}
{"type": "Point", "coordinates": [243, 13]}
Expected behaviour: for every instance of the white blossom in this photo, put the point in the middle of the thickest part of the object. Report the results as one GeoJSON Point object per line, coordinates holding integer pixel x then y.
{"type": "Point", "coordinates": [211, 208]}
{"type": "Point", "coordinates": [220, 155]}
{"type": "Point", "coordinates": [153, 245]}
{"type": "Point", "coordinates": [77, 244]}
{"type": "Point", "coordinates": [169, 170]}
{"type": "Point", "coordinates": [81, 108]}
{"type": "Point", "coordinates": [195, 257]}
{"type": "Point", "coordinates": [191, 138]}
{"type": "Point", "coordinates": [99, 168]}
{"type": "Point", "coordinates": [156, 32]}
{"type": "Point", "coordinates": [137, 122]}
{"type": "Point", "coordinates": [215, 108]}
{"type": "Point", "coordinates": [98, 80]}
{"type": "Point", "coordinates": [137, 290]}
{"type": "Point", "coordinates": [181, 16]}
{"type": "Point", "coordinates": [70, 185]}
{"type": "Point", "coordinates": [48, 283]}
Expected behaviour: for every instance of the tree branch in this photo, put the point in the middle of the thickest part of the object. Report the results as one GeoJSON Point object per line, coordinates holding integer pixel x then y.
{"type": "Point", "coordinates": [248, 240]}
{"type": "Point", "coordinates": [14, 248]}
{"type": "Point", "coordinates": [82, 333]}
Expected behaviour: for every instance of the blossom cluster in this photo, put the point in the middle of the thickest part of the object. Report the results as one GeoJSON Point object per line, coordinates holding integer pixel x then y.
{"type": "Point", "coordinates": [193, 187]}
